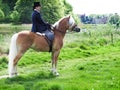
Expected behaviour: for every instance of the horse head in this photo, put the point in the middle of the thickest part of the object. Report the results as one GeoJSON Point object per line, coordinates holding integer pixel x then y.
{"type": "Point", "coordinates": [66, 23]}
{"type": "Point", "coordinates": [72, 25]}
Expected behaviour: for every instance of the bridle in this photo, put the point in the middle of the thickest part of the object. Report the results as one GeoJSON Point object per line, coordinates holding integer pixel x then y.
{"type": "Point", "coordinates": [58, 30]}
{"type": "Point", "coordinates": [62, 32]}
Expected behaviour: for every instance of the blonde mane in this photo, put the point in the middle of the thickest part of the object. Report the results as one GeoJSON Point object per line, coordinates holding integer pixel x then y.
{"type": "Point", "coordinates": [71, 21]}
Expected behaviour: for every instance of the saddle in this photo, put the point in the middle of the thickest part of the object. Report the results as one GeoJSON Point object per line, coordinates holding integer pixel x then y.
{"type": "Point", "coordinates": [49, 36]}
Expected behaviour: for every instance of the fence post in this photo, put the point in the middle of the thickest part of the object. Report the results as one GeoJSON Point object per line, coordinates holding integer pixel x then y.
{"type": "Point", "coordinates": [112, 38]}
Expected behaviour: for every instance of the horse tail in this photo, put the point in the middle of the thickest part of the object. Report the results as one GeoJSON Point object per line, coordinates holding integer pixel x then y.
{"type": "Point", "coordinates": [12, 53]}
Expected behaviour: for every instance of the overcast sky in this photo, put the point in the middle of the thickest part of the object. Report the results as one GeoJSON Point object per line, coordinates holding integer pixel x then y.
{"type": "Point", "coordinates": [95, 6]}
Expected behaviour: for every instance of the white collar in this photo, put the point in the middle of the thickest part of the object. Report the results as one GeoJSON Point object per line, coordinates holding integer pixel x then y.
{"type": "Point", "coordinates": [36, 10]}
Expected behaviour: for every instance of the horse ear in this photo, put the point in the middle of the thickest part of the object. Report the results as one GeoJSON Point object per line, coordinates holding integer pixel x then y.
{"type": "Point", "coordinates": [69, 17]}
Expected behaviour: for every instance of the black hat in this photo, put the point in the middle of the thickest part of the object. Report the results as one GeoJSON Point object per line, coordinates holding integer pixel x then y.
{"type": "Point", "coordinates": [36, 4]}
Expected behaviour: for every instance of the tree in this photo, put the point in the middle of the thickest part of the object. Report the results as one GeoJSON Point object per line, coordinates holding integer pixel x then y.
{"type": "Point", "coordinates": [24, 7]}
{"type": "Point", "coordinates": [114, 18]}
{"type": "Point", "coordinates": [68, 8]}
{"type": "Point", "coordinates": [10, 3]}
{"type": "Point", "coordinates": [52, 10]}
{"type": "Point", "coordinates": [7, 7]}
{"type": "Point", "coordinates": [0, 3]}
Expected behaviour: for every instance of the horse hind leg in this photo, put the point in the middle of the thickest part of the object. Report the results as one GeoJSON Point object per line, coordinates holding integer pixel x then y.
{"type": "Point", "coordinates": [17, 58]}
{"type": "Point", "coordinates": [14, 55]}
{"type": "Point", "coordinates": [13, 64]}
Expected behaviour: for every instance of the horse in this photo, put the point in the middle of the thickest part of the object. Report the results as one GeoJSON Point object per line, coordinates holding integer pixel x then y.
{"type": "Point", "coordinates": [22, 41]}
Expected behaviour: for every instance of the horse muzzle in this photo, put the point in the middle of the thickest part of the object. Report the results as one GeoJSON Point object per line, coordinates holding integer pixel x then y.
{"type": "Point", "coordinates": [76, 29]}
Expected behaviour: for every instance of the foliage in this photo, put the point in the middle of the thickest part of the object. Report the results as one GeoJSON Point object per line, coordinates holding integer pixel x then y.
{"type": "Point", "coordinates": [15, 16]}
{"type": "Point", "coordinates": [94, 19]}
{"type": "Point", "coordinates": [24, 7]}
{"type": "Point", "coordinates": [7, 7]}
{"type": "Point", "coordinates": [10, 3]}
{"type": "Point", "coordinates": [68, 7]}
{"type": "Point", "coordinates": [1, 15]}
{"type": "Point", "coordinates": [114, 19]}
{"type": "Point", "coordinates": [51, 10]}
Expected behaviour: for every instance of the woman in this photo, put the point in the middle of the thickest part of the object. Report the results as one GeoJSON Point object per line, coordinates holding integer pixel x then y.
{"type": "Point", "coordinates": [38, 23]}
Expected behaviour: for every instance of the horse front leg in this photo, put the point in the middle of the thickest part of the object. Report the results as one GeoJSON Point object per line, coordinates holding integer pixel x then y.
{"type": "Point", "coordinates": [55, 55]}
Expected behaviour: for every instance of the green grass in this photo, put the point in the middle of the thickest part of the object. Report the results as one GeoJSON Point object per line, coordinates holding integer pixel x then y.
{"type": "Point", "coordinates": [98, 72]}
{"type": "Point", "coordinates": [87, 61]}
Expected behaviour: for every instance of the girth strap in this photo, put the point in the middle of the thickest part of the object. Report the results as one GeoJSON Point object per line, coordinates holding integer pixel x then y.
{"type": "Point", "coordinates": [49, 43]}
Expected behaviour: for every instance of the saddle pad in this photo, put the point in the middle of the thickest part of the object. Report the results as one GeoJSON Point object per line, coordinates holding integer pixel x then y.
{"type": "Point", "coordinates": [49, 34]}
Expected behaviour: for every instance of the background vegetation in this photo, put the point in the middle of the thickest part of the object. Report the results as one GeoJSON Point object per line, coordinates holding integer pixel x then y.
{"type": "Point", "coordinates": [100, 19]}
{"type": "Point", "coordinates": [19, 11]}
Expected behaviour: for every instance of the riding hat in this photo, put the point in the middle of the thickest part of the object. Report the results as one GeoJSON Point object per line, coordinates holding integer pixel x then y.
{"type": "Point", "coordinates": [36, 4]}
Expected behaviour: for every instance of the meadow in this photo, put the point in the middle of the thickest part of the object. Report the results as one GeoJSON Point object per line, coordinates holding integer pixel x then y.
{"type": "Point", "coordinates": [89, 60]}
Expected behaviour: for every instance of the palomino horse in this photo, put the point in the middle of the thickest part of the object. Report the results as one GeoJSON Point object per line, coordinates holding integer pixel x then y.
{"type": "Point", "coordinates": [24, 40]}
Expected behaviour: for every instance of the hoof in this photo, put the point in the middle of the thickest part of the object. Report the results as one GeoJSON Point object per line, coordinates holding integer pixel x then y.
{"type": "Point", "coordinates": [54, 72]}
{"type": "Point", "coordinates": [57, 74]}
{"type": "Point", "coordinates": [13, 75]}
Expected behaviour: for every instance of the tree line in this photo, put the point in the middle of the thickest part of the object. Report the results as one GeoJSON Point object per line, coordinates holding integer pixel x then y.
{"type": "Point", "coordinates": [100, 19]}
{"type": "Point", "coordinates": [19, 11]}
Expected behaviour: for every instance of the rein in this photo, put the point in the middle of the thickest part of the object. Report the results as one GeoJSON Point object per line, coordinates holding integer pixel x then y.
{"type": "Point", "coordinates": [54, 29]}
{"type": "Point", "coordinates": [60, 31]}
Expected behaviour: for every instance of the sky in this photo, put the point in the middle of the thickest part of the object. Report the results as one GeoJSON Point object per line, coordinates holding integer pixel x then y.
{"type": "Point", "coordinates": [95, 6]}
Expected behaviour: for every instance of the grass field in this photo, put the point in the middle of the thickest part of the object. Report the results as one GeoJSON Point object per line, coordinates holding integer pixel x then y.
{"type": "Point", "coordinates": [88, 61]}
